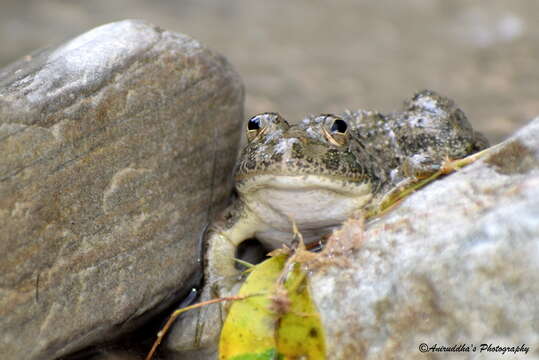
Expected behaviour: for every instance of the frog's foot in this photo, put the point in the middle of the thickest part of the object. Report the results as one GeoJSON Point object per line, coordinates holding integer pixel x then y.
{"type": "Point", "coordinates": [449, 166]}
{"type": "Point", "coordinates": [393, 197]}
{"type": "Point", "coordinates": [415, 172]}
{"type": "Point", "coordinates": [200, 328]}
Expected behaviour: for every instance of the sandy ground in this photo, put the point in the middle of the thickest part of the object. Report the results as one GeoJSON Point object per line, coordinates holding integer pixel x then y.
{"type": "Point", "coordinates": [310, 56]}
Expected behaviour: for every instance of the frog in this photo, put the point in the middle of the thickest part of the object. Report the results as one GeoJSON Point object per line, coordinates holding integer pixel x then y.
{"type": "Point", "coordinates": [313, 175]}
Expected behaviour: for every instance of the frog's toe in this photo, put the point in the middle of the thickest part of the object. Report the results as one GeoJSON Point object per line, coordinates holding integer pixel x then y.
{"type": "Point", "coordinates": [419, 166]}
{"type": "Point", "coordinates": [197, 329]}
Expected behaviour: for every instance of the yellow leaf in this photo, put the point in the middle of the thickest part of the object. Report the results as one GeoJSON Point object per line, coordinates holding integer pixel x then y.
{"type": "Point", "coordinates": [281, 323]}
{"type": "Point", "coordinates": [250, 325]}
{"type": "Point", "coordinates": [300, 334]}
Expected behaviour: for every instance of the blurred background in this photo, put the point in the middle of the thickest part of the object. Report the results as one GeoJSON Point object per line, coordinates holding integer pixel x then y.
{"type": "Point", "coordinates": [310, 56]}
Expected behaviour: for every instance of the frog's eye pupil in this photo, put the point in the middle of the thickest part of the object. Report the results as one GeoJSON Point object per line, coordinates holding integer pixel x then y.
{"type": "Point", "coordinates": [254, 123]}
{"type": "Point", "coordinates": [339, 126]}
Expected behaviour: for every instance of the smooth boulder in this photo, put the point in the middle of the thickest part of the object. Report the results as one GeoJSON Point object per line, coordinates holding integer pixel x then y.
{"type": "Point", "coordinates": [117, 148]}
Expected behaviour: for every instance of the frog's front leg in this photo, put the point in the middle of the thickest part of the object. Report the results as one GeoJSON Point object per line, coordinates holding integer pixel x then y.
{"type": "Point", "coordinates": [412, 174]}
{"type": "Point", "coordinates": [200, 329]}
{"type": "Point", "coordinates": [416, 174]}
{"type": "Point", "coordinates": [220, 269]}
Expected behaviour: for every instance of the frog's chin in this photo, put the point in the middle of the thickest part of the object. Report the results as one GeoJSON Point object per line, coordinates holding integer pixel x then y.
{"type": "Point", "coordinates": [316, 204]}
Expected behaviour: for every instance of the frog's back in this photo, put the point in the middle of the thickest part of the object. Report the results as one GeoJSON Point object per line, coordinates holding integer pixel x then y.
{"type": "Point", "coordinates": [416, 141]}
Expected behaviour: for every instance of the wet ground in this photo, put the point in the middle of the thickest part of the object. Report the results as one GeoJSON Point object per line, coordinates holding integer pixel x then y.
{"type": "Point", "coordinates": [310, 56]}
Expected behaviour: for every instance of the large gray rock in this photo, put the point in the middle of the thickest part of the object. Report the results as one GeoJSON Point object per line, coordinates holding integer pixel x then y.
{"type": "Point", "coordinates": [456, 263]}
{"type": "Point", "coordinates": [116, 148]}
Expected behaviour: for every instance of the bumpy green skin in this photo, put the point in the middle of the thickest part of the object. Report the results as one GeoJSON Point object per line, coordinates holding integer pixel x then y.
{"type": "Point", "coordinates": [383, 150]}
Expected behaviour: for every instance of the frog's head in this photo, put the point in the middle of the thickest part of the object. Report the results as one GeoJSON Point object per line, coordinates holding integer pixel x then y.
{"type": "Point", "coordinates": [319, 149]}
{"type": "Point", "coordinates": [312, 169]}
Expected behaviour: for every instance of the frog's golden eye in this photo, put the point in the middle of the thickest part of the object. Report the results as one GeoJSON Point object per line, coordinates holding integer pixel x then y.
{"type": "Point", "coordinates": [259, 124]}
{"type": "Point", "coordinates": [255, 126]}
{"type": "Point", "coordinates": [335, 130]}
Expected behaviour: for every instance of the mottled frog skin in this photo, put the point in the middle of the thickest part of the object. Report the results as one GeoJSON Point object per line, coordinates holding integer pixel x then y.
{"type": "Point", "coordinates": [414, 143]}
{"type": "Point", "coordinates": [322, 170]}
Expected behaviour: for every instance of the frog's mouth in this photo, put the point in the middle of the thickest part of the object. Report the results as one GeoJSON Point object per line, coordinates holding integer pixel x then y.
{"type": "Point", "coordinates": [315, 203]}
{"type": "Point", "coordinates": [339, 185]}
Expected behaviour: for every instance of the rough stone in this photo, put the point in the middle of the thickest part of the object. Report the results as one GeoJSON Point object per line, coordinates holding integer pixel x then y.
{"type": "Point", "coordinates": [116, 148]}
{"type": "Point", "coordinates": [456, 263]}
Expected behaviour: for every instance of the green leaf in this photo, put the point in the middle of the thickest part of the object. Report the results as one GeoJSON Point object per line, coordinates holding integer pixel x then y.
{"type": "Point", "coordinates": [270, 354]}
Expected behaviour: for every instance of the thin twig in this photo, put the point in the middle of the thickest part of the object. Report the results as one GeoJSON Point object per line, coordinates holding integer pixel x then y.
{"type": "Point", "coordinates": [178, 312]}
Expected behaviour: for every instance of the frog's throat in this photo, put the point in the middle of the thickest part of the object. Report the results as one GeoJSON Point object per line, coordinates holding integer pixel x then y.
{"type": "Point", "coordinates": [292, 183]}
{"type": "Point", "coordinates": [316, 204]}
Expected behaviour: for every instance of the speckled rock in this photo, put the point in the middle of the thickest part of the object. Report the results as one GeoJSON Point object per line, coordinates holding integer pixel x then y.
{"type": "Point", "coordinates": [457, 263]}
{"type": "Point", "coordinates": [116, 148]}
